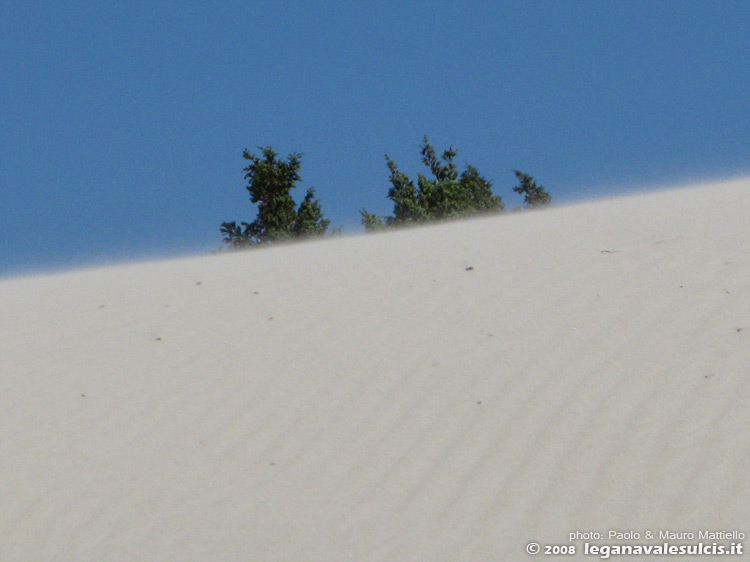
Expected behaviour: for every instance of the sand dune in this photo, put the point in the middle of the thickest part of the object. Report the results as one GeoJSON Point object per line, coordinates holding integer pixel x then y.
{"type": "Point", "coordinates": [451, 392]}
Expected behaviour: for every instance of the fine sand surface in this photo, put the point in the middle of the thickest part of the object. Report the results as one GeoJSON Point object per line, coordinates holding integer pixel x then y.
{"type": "Point", "coordinates": [452, 392]}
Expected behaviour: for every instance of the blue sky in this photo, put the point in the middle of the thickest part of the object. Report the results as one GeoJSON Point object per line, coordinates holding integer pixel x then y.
{"type": "Point", "coordinates": [123, 124]}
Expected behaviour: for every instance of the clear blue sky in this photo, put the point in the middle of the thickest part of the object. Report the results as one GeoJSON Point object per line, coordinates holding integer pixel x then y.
{"type": "Point", "coordinates": [123, 124]}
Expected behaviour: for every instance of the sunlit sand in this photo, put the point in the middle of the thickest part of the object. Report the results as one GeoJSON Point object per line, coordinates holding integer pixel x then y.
{"type": "Point", "coordinates": [452, 392]}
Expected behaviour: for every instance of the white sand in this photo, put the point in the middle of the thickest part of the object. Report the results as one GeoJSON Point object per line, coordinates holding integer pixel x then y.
{"type": "Point", "coordinates": [368, 398]}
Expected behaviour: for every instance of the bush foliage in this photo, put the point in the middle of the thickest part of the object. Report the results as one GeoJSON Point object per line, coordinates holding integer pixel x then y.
{"type": "Point", "coordinates": [443, 194]}
{"type": "Point", "coordinates": [535, 196]}
{"type": "Point", "coordinates": [270, 182]}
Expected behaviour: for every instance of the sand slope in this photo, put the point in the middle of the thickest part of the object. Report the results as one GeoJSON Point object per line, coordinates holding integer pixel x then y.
{"type": "Point", "coordinates": [369, 398]}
